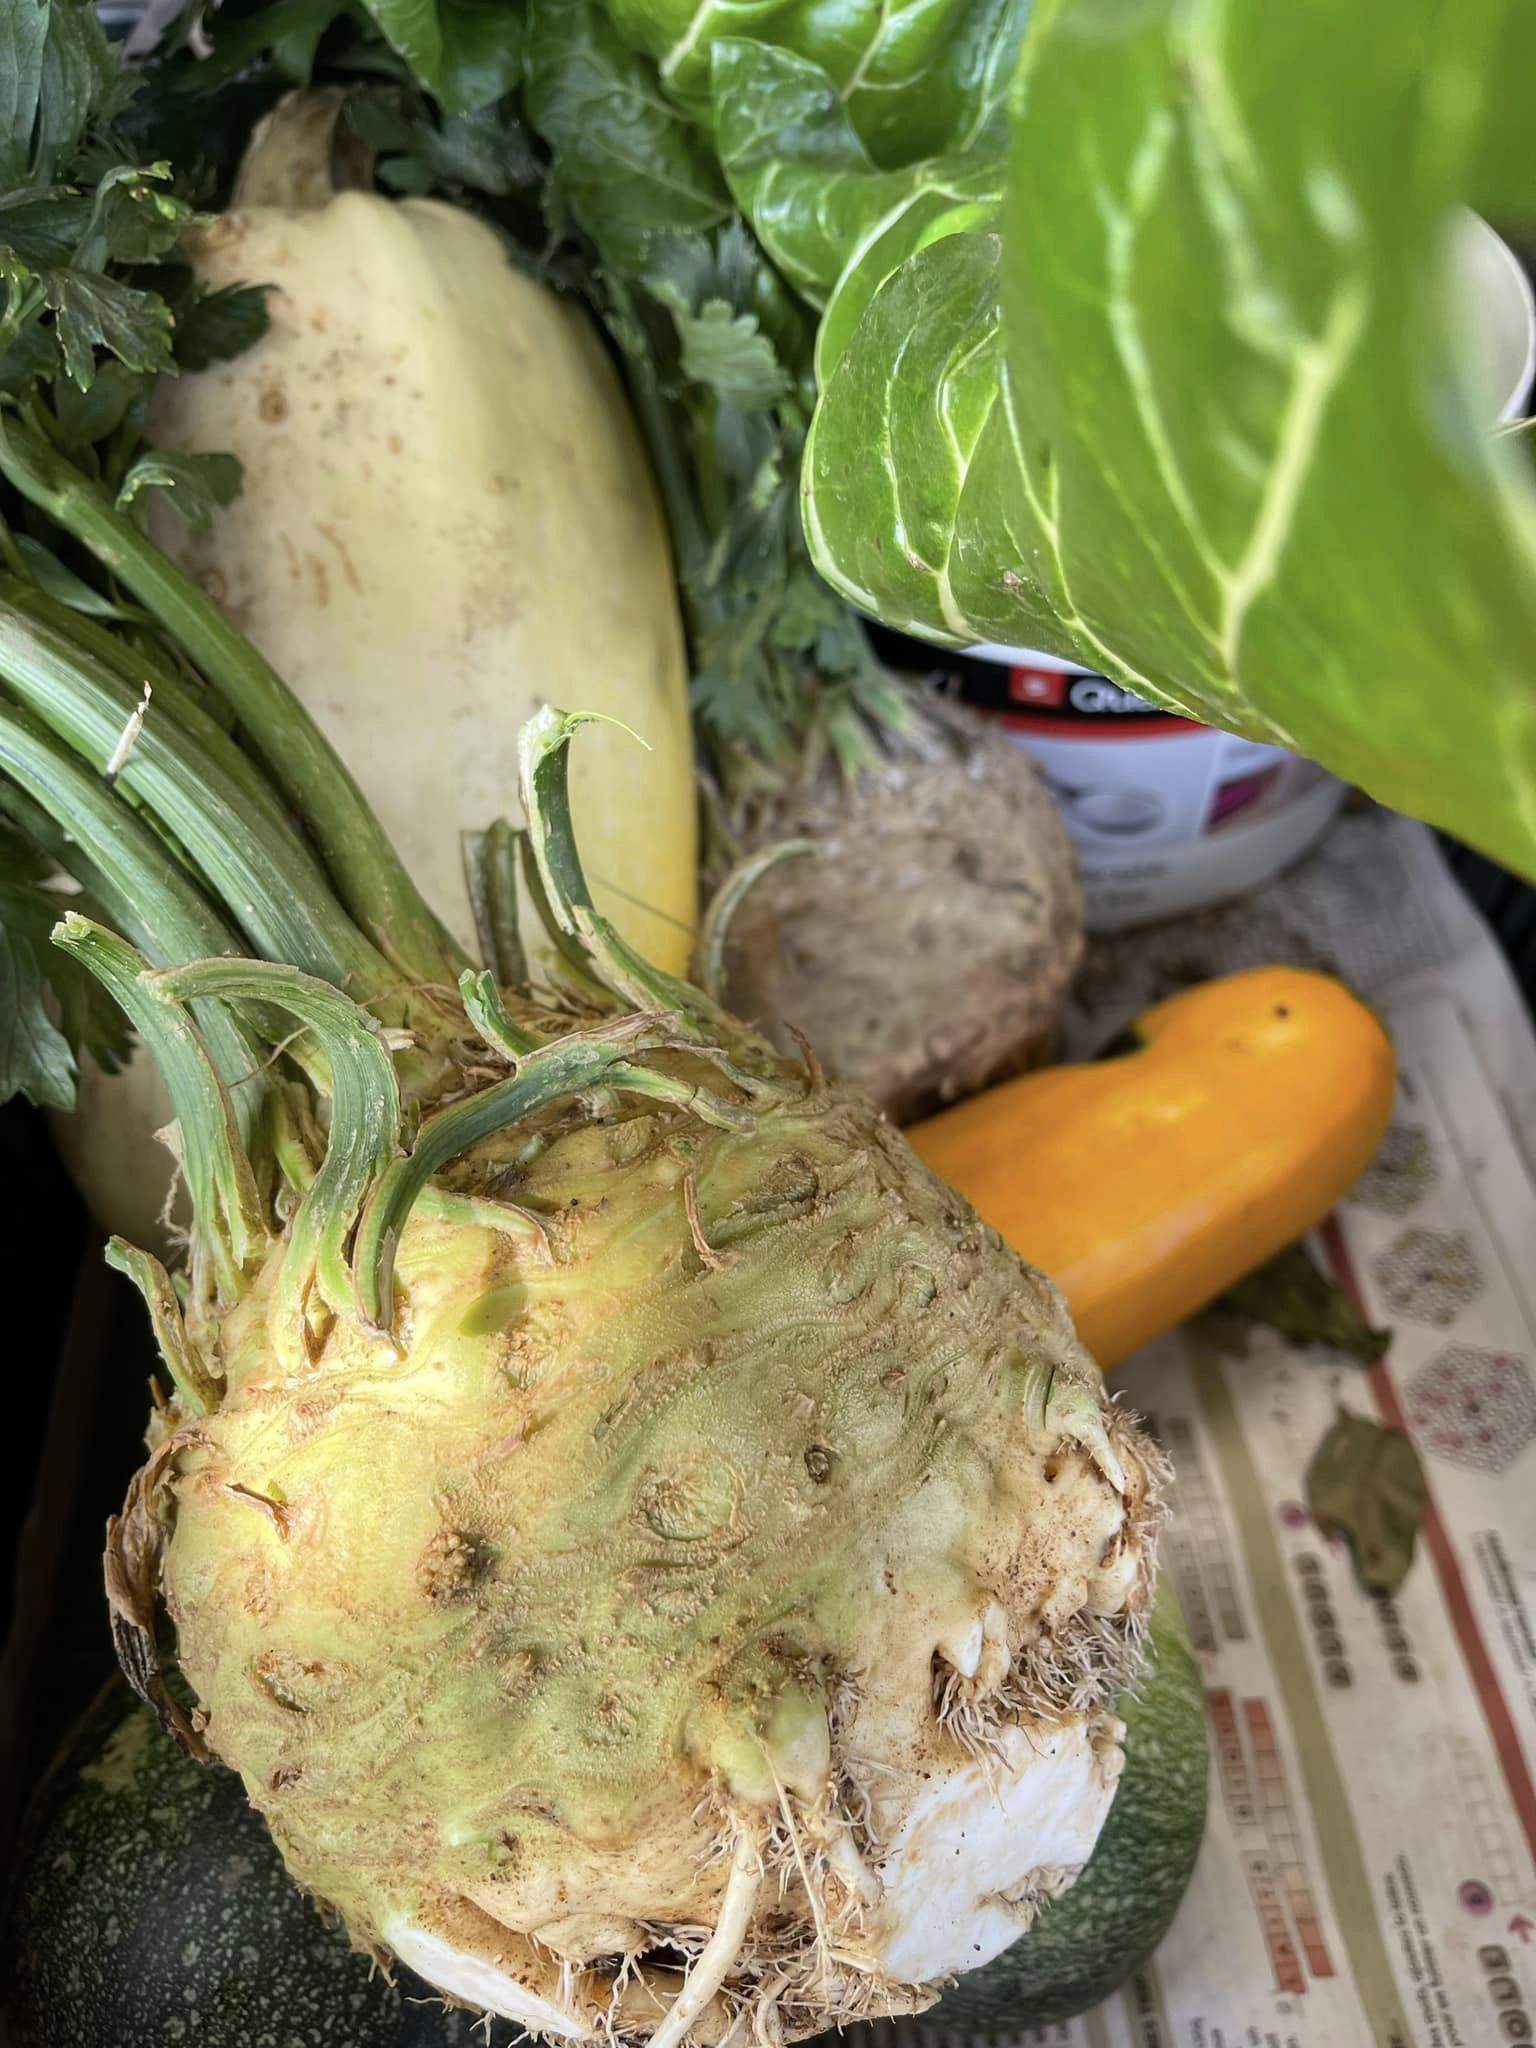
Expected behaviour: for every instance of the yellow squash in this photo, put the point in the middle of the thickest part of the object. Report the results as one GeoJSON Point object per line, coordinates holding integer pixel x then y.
{"type": "Point", "coordinates": [1147, 1183]}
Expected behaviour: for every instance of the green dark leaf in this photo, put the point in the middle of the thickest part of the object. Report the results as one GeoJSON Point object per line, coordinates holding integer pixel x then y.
{"type": "Point", "coordinates": [196, 485]}
{"type": "Point", "coordinates": [32, 358]}
{"type": "Point", "coordinates": [422, 150]}
{"type": "Point", "coordinates": [23, 37]}
{"type": "Point", "coordinates": [735, 716]}
{"type": "Point", "coordinates": [128, 218]}
{"type": "Point", "coordinates": [134, 219]}
{"type": "Point", "coordinates": [90, 415]}
{"type": "Point", "coordinates": [212, 326]}
{"type": "Point", "coordinates": [35, 1057]}
{"type": "Point", "coordinates": [50, 1007]}
{"type": "Point", "coordinates": [92, 310]}
{"type": "Point", "coordinates": [718, 346]}
{"type": "Point", "coordinates": [466, 52]}
{"type": "Point", "coordinates": [806, 611]}
{"type": "Point", "coordinates": [82, 88]}
{"type": "Point", "coordinates": [296, 33]}
{"type": "Point", "coordinates": [64, 585]}
{"type": "Point", "coordinates": [726, 351]}
{"type": "Point", "coordinates": [1293, 1295]}
{"type": "Point", "coordinates": [1235, 447]}
{"type": "Point", "coordinates": [415, 28]}
{"type": "Point", "coordinates": [290, 31]}
{"type": "Point", "coordinates": [630, 164]}
{"type": "Point", "coordinates": [57, 79]}
{"type": "Point", "coordinates": [44, 226]}
{"type": "Point", "coordinates": [20, 287]}
{"type": "Point", "coordinates": [484, 51]}
{"type": "Point", "coordinates": [1365, 1483]}
{"type": "Point", "coordinates": [709, 290]}
{"type": "Point", "coordinates": [20, 859]}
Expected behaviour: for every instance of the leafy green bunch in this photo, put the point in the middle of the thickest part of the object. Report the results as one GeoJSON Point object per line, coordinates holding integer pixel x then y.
{"type": "Point", "coordinates": [1128, 333]}
{"type": "Point", "coordinates": [1137, 333]}
{"type": "Point", "coordinates": [95, 304]}
{"type": "Point", "coordinates": [98, 301]}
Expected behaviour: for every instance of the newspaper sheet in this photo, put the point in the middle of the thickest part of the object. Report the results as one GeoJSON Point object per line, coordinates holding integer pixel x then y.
{"type": "Point", "coordinates": [1369, 1870]}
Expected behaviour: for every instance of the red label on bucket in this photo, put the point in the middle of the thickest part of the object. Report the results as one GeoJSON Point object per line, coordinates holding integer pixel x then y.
{"type": "Point", "coordinates": [1084, 707]}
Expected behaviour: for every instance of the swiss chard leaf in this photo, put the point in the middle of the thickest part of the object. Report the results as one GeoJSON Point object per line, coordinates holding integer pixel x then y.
{"type": "Point", "coordinates": [914, 81]}
{"type": "Point", "coordinates": [926, 79]}
{"type": "Point", "coordinates": [1229, 444]}
{"type": "Point", "coordinates": [469, 53]}
{"type": "Point", "coordinates": [804, 178]}
{"type": "Point", "coordinates": [632, 166]}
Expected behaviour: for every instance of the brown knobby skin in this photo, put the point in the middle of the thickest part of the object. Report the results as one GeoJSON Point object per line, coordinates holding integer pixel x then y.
{"type": "Point", "coordinates": [925, 947]}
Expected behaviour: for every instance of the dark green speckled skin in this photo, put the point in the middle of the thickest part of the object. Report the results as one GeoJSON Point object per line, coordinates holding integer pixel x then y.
{"type": "Point", "coordinates": [148, 1906]}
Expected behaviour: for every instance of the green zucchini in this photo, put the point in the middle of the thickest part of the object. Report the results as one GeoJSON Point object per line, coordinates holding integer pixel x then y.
{"type": "Point", "coordinates": [148, 1904]}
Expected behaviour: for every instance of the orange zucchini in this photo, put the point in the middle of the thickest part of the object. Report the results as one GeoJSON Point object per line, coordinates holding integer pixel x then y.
{"type": "Point", "coordinates": [1148, 1182]}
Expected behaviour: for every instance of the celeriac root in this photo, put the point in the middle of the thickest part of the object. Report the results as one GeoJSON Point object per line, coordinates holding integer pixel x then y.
{"type": "Point", "coordinates": [723, 1947]}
